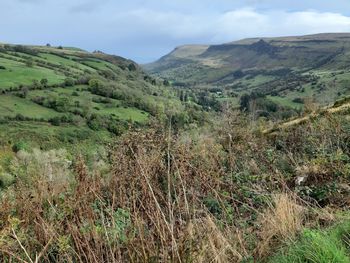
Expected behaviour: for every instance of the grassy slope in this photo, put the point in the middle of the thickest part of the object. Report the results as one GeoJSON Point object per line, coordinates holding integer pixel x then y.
{"type": "Point", "coordinates": [12, 105]}
{"type": "Point", "coordinates": [76, 140]}
{"type": "Point", "coordinates": [56, 65]}
{"type": "Point", "coordinates": [17, 73]}
{"type": "Point", "coordinates": [85, 98]}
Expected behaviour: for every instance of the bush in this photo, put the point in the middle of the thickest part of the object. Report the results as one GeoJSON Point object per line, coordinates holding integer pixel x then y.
{"type": "Point", "coordinates": [69, 82]}
{"type": "Point", "coordinates": [298, 100]}
{"type": "Point", "coordinates": [56, 121]}
{"type": "Point", "coordinates": [29, 62]}
{"type": "Point", "coordinates": [20, 146]}
{"type": "Point", "coordinates": [132, 67]}
{"type": "Point", "coordinates": [6, 179]}
{"type": "Point", "coordinates": [44, 82]}
{"type": "Point", "coordinates": [20, 117]}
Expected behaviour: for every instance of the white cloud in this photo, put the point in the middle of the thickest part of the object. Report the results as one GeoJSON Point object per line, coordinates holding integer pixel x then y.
{"type": "Point", "coordinates": [239, 23]}
{"type": "Point", "coordinates": [313, 21]}
{"type": "Point", "coordinates": [127, 29]}
{"type": "Point", "coordinates": [251, 23]}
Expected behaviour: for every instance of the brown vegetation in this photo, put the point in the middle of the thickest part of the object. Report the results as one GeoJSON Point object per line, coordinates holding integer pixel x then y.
{"type": "Point", "coordinates": [220, 196]}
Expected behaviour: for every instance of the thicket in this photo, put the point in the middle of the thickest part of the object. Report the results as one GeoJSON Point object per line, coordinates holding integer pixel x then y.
{"type": "Point", "coordinates": [228, 194]}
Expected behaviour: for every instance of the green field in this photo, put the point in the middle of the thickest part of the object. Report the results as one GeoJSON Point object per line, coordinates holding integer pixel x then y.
{"type": "Point", "coordinates": [51, 86]}
{"type": "Point", "coordinates": [285, 102]}
{"type": "Point", "coordinates": [77, 139]}
{"type": "Point", "coordinates": [65, 62]}
{"type": "Point", "coordinates": [11, 106]}
{"type": "Point", "coordinates": [85, 98]}
{"type": "Point", "coordinates": [17, 73]}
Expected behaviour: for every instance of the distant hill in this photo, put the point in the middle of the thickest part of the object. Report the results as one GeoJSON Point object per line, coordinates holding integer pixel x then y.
{"type": "Point", "coordinates": [316, 65]}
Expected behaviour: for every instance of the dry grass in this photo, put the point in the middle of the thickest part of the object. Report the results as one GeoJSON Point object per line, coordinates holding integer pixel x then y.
{"type": "Point", "coordinates": [148, 209]}
{"type": "Point", "coordinates": [214, 245]}
{"type": "Point", "coordinates": [168, 198]}
{"type": "Point", "coordinates": [282, 221]}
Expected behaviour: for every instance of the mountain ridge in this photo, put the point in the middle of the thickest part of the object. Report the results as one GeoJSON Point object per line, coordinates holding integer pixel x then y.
{"type": "Point", "coordinates": [192, 50]}
{"type": "Point", "coordinates": [273, 66]}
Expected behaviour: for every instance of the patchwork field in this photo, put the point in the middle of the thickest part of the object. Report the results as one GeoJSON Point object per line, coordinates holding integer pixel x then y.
{"type": "Point", "coordinates": [72, 89]}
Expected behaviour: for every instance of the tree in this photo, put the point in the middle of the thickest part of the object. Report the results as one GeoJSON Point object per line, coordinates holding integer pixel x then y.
{"type": "Point", "coordinates": [36, 84]}
{"type": "Point", "coordinates": [95, 122]}
{"type": "Point", "coordinates": [247, 98]}
{"type": "Point", "coordinates": [24, 91]}
{"type": "Point", "coordinates": [69, 82]}
{"type": "Point", "coordinates": [20, 117]}
{"type": "Point", "coordinates": [182, 95]}
{"type": "Point", "coordinates": [166, 83]}
{"type": "Point", "coordinates": [238, 74]}
{"type": "Point", "coordinates": [62, 104]}
{"type": "Point", "coordinates": [132, 67]}
{"type": "Point", "coordinates": [44, 82]}
{"type": "Point", "coordinates": [94, 83]}
{"type": "Point", "coordinates": [29, 62]}
{"type": "Point", "coordinates": [56, 121]}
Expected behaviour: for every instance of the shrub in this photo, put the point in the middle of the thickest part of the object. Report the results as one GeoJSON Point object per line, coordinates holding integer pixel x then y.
{"type": "Point", "coordinates": [56, 121]}
{"type": "Point", "coordinates": [298, 100]}
{"type": "Point", "coordinates": [20, 146]}
{"type": "Point", "coordinates": [132, 67]}
{"type": "Point", "coordinates": [6, 179]}
{"type": "Point", "coordinates": [44, 82]}
{"type": "Point", "coordinates": [20, 117]}
{"type": "Point", "coordinates": [69, 82]}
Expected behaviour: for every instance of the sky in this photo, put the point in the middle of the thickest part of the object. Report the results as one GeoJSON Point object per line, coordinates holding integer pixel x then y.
{"type": "Point", "coordinates": [145, 30]}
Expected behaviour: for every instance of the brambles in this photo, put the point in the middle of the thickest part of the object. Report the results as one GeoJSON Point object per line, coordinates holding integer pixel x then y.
{"type": "Point", "coordinates": [175, 197]}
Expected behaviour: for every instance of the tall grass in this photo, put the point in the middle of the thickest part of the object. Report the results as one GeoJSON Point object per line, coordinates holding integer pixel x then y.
{"type": "Point", "coordinates": [282, 221]}
{"type": "Point", "coordinates": [226, 195]}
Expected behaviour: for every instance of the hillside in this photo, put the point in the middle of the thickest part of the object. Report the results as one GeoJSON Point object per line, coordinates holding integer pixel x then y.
{"type": "Point", "coordinates": [55, 96]}
{"type": "Point", "coordinates": [100, 162]}
{"type": "Point", "coordinates": [227, 193]}
{"type": "Point", "coordinates": [288, 69]}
